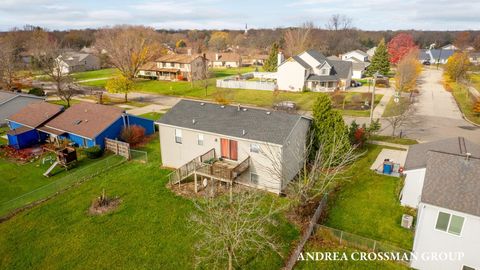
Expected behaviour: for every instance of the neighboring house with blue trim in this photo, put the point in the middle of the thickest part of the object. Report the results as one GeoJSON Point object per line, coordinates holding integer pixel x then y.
{"type": "Point", "coordinates": [88, 124]}
{"type": "Point", "coordinates": [25, 123]}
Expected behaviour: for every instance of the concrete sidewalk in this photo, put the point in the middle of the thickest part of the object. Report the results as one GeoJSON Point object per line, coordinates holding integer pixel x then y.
{"type": "Point", "coordinates": [381, 106]}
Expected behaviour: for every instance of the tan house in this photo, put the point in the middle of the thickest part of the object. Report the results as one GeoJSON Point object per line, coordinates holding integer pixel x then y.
{"type": "Point", "coordinates": [174, 67]}
{"type": "Point", "coordinates": [232, 144]}
{"type": "Point", "coordinates": [228, 60]}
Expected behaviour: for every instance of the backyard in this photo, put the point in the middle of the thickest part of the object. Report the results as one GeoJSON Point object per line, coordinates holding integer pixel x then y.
{"type": "Point", "coordinates": [464, 99]}
{"type": "Point", "coordinates": [148, 230]}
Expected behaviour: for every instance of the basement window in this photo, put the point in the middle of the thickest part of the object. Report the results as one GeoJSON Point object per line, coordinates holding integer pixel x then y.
{"type": "Point", "coordinates": [200, 139]}
{"type": "Point", "coordinates": [254, 178]}
{"type": "Point", "coordinates": [178, 136]}
{"type": "Point", "coordinates": [449, 223]}
{"type": "Point", "coordinates": [254, 148]}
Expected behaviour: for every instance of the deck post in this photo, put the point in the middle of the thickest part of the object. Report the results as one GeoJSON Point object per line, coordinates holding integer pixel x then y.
{"type": "Point", "coordinates": [231, 191]}
{"type": "Point", "coordinates": [195, 180]}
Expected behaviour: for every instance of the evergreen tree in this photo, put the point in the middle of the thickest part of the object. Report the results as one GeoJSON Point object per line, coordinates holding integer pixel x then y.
{"type": "Point", "coordinates": [329, 128]}
{"type": "Point", "coordinates": [271, 62]}
{"type": "Point", "coordinates": [380, 60]}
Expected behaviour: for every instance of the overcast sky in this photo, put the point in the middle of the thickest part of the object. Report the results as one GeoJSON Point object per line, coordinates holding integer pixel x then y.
{"type": "Point", "coordinates": [227, 14]}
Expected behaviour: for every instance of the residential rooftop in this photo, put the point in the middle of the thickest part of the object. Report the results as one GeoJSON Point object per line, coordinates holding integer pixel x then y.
{"type": "Point", "coordinates": [235, 121]}
{"type": "Point", "coordinates": [35, 114]}
{"type": "Point", "coordinates": [86, 119]}
{"type": "Point", "coordinates": [417, 154]}
{"type": "Point", "coordinates": [452, 181]}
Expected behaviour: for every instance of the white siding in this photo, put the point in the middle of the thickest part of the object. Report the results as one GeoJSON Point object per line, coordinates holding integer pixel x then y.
{"type": "Point", "coordinates": [175, 155]}
{"type": "Point", "coordinates": [428, 240]}
{"type": "Point", "coordinates": [412, 189]}
{"type": "Point", "coordinates": [357, 74]}
{"type": "Point", "coordinates": [291, 76]}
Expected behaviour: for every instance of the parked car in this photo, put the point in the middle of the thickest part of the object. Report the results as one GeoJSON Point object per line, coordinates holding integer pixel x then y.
{"type": "Point", "coordinates": [426, 63]}
{"type": "Point", "coordinates": [285, 106]}
{"type": "Point", "coordinates": [355, 84]}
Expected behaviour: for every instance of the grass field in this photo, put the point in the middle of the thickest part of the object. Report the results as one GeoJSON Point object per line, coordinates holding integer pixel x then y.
{"type": "Point", "coordinates": [94, 74]}
{"type": "Point", "coordinates": [391, 139]}
{"type": "Point", "coordinates": [149, 230]}
{"type": "Point", "coordinates": [475, 77]}
{"type": "Point", "coordinates": [464, 99]}
{"type": "Point", "coordinates": [21, 184]}
{"type": "Point", "coordinates": [367, 204]}
{"type": "Point", "coordinates": [152, 115]}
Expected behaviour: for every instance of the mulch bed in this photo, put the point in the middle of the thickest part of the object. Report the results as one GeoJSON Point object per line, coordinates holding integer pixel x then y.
{"type": "Point", "coordinates": [99, 209]}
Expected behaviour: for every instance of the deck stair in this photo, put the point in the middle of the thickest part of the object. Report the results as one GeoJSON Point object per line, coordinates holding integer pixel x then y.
{"type": "Point", "coordinates": [189, 168]}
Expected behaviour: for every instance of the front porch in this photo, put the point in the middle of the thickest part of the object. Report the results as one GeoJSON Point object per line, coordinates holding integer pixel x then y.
{"type": "Point", "coordinates": [322, 86]}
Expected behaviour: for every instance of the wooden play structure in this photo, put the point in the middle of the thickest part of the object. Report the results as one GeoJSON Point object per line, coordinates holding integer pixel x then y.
{"type": "Point", "coordinates": [66, 157]}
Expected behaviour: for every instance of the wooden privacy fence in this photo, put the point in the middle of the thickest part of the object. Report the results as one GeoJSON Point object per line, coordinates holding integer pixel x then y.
{"type": "Point", "coordinates": [118, 147]}
{"type": "Point", "coordinates": [306, 234]}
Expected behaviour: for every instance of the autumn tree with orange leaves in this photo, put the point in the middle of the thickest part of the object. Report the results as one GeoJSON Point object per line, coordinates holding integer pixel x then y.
{"type": "Point", "coordinates": [400, 46]}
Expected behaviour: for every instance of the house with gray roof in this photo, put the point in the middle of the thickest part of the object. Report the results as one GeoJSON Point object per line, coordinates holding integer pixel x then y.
{"type": "Point", "coordinates": [11, 103]}
{"type": "Point", "coordinates": [313, 71]}
{"type": "Point", "coordinates": [443, 182]}
{"type": "Point", "coordinates": [70, 62]}
{"type": "Point", "coordinates": [216, 141]}
{"type": "Point", "coordinates": [435, 56]}
{"type": "Point", "coordinates": [448, 217]}
{"type": "Point", "coordinates": [416, 164]}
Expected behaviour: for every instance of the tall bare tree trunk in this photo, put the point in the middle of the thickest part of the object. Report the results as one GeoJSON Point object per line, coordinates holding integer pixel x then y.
{"type": "Point", "coordinates": [230, 260]}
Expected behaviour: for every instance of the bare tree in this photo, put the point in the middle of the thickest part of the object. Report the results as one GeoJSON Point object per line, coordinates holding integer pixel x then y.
{"type": "Point", "coordinates": [230, 232]}
{"type": "Point", "coordinates": [49, 60]}
{"type": "Point", "coordinates": [128, 47]}
{"type": "Point", "coordinates": [8, 61]}
{"type": "Point", "coordinates": [298, 39]}
{"type": "Point", "coordinates": [203, 76]}
{"type": "Point", "coordinates": [339, 22]}
{"type": "Point", "coordinates": [401, 114]}
{"type": "Point", "coordinates": [319, 171]}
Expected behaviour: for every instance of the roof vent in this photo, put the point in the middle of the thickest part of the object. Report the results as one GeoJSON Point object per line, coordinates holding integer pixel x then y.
{"type": "Point", "coordinates": [86, 110]}
{"type": "Point", "coordinates": [202, 103]}
{"type": "Point", "coordinates": [238, 107]}
{"type": "Point", "coordinates": [77, 122]}
{"type": "Point", "coordinates": [223, 106]}
{"type": "Point", "coordinates": [244, 132]}
{"type": "Point", "coordinates": [468, 155]}
{"type": "Point", "coordinates": [244, 109]}
{"type": "Point", "coordinates": [193, 121]}
{"type": "Point", "coordinates": [268, 113]}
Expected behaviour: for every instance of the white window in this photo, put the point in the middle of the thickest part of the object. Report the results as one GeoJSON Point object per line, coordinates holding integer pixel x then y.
{"type": "Point", "coordinates": [254, 148]}
{"type": "Point", "coordinates": [200, 139]}
{"type": "Point", "coordinates": [254, 178]}
{"type": "Point", "coordinates": [178, 135]}
{"type": "Point", "coordinates": [449, 223]}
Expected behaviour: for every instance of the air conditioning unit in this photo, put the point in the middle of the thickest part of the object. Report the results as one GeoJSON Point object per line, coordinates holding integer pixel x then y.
{"type": "Point", "coordinates": [407, 221]}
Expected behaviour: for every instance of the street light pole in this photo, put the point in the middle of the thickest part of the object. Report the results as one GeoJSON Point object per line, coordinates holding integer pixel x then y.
{"type": "Point", "coordinates": [372, 103]}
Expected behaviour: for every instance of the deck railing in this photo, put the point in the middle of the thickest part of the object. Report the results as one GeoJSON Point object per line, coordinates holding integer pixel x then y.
{"type": "Point", "coordinates": [187, 169]}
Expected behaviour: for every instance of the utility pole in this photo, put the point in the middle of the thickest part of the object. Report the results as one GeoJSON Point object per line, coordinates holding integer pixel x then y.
{"type": "Point", "coordinates": [372, 103]}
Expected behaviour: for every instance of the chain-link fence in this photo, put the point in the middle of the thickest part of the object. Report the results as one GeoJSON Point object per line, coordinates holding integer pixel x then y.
{"type": "Point", "coordinates": [362, 243]}
{"type": "Point", "coordinates": [137, 155]}
{"type": "Point", "coordinates": [51, 189]}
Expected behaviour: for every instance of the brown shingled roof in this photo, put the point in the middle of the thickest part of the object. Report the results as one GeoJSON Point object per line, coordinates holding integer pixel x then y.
{"type": "Point", "coordinates": [86, 119]}
{"type": "Point", "coordinates": [152, 66]}
{"type": "Point", "coordinates": [36, 113]}
{"type": "Point", "coordinates": [177, 58]}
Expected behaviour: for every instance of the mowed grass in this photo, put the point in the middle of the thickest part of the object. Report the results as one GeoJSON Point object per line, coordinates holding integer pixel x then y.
{"type": "Point", "coordinates": [152, 115]}
{"type": "Point", "coordinates": [94, 74]}
{"type": "Point", "coordinates": [149, 230]}
{"type": "Point", "coordinates": [21, 184]}
{"type": "Point", "coordinates": [367, 204]}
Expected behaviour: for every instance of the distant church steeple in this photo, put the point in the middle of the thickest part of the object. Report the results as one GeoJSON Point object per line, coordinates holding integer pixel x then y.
{"type": "Point", "coordinates": [246, 30]}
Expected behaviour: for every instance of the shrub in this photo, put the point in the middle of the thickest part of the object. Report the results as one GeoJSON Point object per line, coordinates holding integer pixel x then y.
{"type": "Point", "coordinates": [37, 92]}
{"type": "Point", "coordinates": [93, 152]}
{"type": "Point", "coordinates": [133, 134]}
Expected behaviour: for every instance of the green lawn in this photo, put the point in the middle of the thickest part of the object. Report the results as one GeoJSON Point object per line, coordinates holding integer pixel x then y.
{"type": "Point", "coordinates": [94, 74]}
{"type": "Point", "coordinates": [464, 99]}
{"type": "Point", "coordinates": [149, 230]}
{"type": "Point", "coordinates": [152, 115]}
{"type": "Point", "coordinates": [367, 204]}
{"type": "Point", "coordinates": [391, 139]}
{"type": "Point", "coordinates": [21, 184]}
{"type": "Point", "coordinates": [63, 103]}
{"type": "Point", "coordinates": [475, 77]}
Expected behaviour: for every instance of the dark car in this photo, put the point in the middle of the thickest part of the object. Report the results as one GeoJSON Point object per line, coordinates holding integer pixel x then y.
{"type": "Point", "coordinates": [354, 83]}
{"type": "Point", "coordinates": [426, 63]}
{"type": "Point", "coordinates": [285, 106]}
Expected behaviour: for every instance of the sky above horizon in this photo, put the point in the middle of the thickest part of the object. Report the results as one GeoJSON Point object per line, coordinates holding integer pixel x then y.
{"type": "Point", "coordinates": [224, 14]}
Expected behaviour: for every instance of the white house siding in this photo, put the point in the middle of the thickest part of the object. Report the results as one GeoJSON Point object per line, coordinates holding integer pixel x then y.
{"type": "Point", "coordinates": [294, 149]}
{"type": "Point", "coordinates": [231, 64]}
{"type": "Point", "coordinates": [412, 189]}
{"type": "Point", "coordinates": [428, 240]}
{"type": "Point", "coordinates": [175, 155]}
{"type": "Point", "coordinates": [291, 76]}
{"type": "Point", "coordinates": [349, 55]}
{"type": "Point", "coordinates": [357, 74]}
